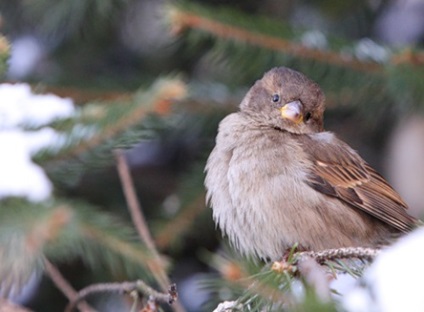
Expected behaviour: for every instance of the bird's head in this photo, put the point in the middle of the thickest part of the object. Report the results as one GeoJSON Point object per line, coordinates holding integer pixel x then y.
{"type": "Point", "coordinates": [287, 100]}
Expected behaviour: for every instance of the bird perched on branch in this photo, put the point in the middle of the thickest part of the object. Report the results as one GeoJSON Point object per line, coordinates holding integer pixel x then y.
{"type": "Point", "coordinates": [276, 178]}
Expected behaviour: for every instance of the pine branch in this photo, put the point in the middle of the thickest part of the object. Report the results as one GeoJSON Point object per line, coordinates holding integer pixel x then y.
{"type": "Point", "coordinates": [126, 287]}
{"type": "Point", "coordinates": [65, 230]}
{"type": "Point", "coordinates": [181, 18]}
{"type": "Point", "coordinates": [308, 266]}
{"type": "Point", "coordinates": [25, 231]}
{"type": "Point", "coordinates": [259, 288]}
{"type": "Point", "coordinates": [101, 128]}
{"type": "Point", "coordinates": [187, 16]}
{"type": "Point", "coordinates": [340, 253]}
{"type": "Point", "coordinates": [255, 286]}
{"type": "Point", "coordinates": [157, 99]}
{"type": "Point", "coordinates": [327, 257]}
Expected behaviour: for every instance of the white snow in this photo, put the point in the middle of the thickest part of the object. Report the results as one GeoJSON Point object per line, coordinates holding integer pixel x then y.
{"type": "Point", "coordinates": [44, 138]}
{"type": "Point", "coordinates": [19, 108]}
{"type": "Point", "coordinates": [343, 283]}
{"type": "Point", "coordinates": [19, 175]}
{"type": "Point", "coordinates": [359, 300]}
{"type": "Point", "coordinates": [394, 282]}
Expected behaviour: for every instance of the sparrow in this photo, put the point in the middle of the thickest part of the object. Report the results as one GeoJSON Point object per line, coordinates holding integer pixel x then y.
{"type": "Point", "coordinates": [276, 178]}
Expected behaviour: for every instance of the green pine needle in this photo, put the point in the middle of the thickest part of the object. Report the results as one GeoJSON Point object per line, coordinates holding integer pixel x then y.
{"type": "Point", "coordinates": [63, 231]}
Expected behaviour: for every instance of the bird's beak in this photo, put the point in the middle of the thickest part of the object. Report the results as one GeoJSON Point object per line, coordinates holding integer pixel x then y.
{"type": "Point", "coordinates": [292, 111]}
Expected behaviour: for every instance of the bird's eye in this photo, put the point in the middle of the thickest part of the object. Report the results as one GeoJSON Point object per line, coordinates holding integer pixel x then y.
{"type": "Point", "coordinates": [307, 116]}
{"type": "Point", "coordinates": [275, 98]}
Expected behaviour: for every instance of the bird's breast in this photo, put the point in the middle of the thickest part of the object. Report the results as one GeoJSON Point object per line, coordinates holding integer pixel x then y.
{"type": "Point", "coordinates": [265, 182]}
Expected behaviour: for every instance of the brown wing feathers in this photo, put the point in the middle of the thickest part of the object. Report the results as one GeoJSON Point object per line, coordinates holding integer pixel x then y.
{"type": "Point", "coordinates": [338, 171]}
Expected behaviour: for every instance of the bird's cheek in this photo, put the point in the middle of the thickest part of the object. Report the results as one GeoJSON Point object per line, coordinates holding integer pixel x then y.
{"type": "Point", "coordinates": [292, 111]}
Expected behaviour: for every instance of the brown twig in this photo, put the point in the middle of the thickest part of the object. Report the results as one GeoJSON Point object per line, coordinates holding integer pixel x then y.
{"type": "Point", "coordinates": [408, 57]}
{"type": "Point", "coordinates": [320, 257]}
{"type": "Point", "coordinates": [140, 222]}
{"type": "Point", "coordinates": [340, 253]}
{"type": "Point", "coordinates": [63, 285]}
{"type": "Point", "coordinates": [125, 287]}
{"type": "Point", "coordinates": [182, 20]}
{"type": "Point", "coordinates": [137, 217]}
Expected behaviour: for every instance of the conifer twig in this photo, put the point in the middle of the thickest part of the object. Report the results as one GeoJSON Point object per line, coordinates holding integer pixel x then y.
{"type": "Point", "coordinates": [181, 20]}
{"type": "Point", "coordinates": [63, 285]}
{"type": "Point", "coordinates": [158, 99]}
{"type": "Point", "coordinates": [322, 256]}
{"type": "Point", "coordinates": [340, 253]}
{"type": "Point", "coordinates": [159, 102]}
{"type": "Point", "coordinates": [125, 287]}
{"type": "Point", "coordinates": [140, 222]}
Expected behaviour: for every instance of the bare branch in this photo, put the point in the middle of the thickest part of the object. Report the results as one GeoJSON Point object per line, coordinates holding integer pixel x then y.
{"type": "Point", "coordinates": [125, 287]}
{"type": "Point", "coordinates": [137, 217]}
{"type": "Point", "coordinates": [63, 285]}
{"type": "Point", "coordinates": [140, 223]}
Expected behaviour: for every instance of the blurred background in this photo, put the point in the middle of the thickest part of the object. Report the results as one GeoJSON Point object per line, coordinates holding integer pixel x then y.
{"type": "Point", "coordinates": [154, 78]}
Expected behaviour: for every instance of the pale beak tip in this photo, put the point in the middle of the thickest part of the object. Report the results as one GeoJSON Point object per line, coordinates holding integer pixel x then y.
{"type": "Point", "coordinates": [292, 111]}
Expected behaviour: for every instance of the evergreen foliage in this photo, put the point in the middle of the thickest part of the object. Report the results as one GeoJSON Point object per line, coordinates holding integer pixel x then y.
{"type": "Point", "coordinates": [358, 76]}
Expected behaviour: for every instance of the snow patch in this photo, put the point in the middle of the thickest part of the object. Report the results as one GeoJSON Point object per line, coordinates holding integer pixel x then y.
{"type": "Point", "coordinates": [20, 108]}
{"type": "Point", "coordinates": [394, 280]}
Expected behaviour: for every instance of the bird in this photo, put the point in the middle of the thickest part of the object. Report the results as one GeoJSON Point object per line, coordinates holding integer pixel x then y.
{"type": "Point", "coordinates": [276, 178]}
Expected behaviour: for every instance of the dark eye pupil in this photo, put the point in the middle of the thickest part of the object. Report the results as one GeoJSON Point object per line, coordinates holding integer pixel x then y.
{"type": "Point", "coordinates": [275, 98]}
{"type": "Point", "coordinates": [307, 116]}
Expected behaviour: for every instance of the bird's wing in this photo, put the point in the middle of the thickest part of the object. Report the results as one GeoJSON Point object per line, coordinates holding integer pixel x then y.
{"type": "Point", "coordinates": [340, 172]}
